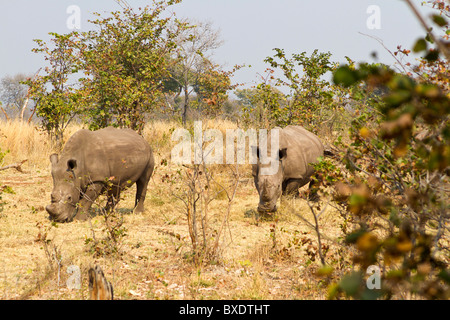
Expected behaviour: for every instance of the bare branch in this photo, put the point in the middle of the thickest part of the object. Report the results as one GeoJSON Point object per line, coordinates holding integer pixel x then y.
{"type": "Point", "coordinates": [441, 46]}
{"type": "Point", "coordinates": [17, 166]}
{"type": "Point", "coordinates": [390, 52]}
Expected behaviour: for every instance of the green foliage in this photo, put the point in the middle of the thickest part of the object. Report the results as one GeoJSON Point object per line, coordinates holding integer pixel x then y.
{"type": "Point", "coordinates": [212, 88]}
{"type": "Point", "coordinates": [308, 93]}
{"type": "Point", "coordinates": [125, 60]}
{"type": "Point", "coordinates": [129, 66]}
{"type": "Point", "coordinates": [299, 95]}
{"type": "Point", "coordinates": [261, 105]}
{"type": "Point", "coordinates": [120, 65]}
{"type": "Point", "coordinates": [394, 184]}
{"type": "Point", "coordinates": [2, 155]}
{"type": "Point", "coordinates": [56, 100]}
{"type": "Point", "coordinates": [394, 189]}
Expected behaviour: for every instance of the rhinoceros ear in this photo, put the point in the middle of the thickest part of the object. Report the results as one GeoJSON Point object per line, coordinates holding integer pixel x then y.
{"type": "Point", "coordinates": [282, 153]}
{"type": "Point", "coordinates": [54, 159]}
{"type": "Point", "coordinates": [255, 151]}
{"type": "Point", "coordinates": [71, 164]}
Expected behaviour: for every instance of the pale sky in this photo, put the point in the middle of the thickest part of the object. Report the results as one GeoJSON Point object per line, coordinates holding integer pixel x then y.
{"type": "Point", "coordinates": [250, 28]}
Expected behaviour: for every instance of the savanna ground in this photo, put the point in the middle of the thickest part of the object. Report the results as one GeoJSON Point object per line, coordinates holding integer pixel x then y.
{"type": "Point", "coordinates": [258, 259]}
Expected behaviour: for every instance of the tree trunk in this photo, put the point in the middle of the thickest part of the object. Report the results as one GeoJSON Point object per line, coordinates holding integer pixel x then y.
{"type": "Point", "coordinates": [31, 116]}
{"type": "Point", "coordinates": [22, 111]}
{"type": "Point", "coordinates": [4, 112]}
{"type": "Point", "coordinates": [186, 105]}
{"type": "Point", "coordinates": [58, 136]}
{"type": "Point", "coordinates": [27, 98]}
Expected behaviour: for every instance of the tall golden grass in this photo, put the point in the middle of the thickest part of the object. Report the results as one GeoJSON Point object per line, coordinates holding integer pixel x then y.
{"type": "Point", "coordinates": [156, 259]}
{"type": "Point", "coordinates": [27, 141]}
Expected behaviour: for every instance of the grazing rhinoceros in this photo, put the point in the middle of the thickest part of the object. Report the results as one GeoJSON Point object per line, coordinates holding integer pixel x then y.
{"type": "Point", "coordinates": [93, 162]}
{"type": "Point", "coordinates": [297, 148]}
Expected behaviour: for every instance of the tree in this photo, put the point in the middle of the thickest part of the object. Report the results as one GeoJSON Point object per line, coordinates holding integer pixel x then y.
{"type": "Point", "coordinates": [195, 45]}
{"type": "Point", "coordinates": [263, 103]}
{"type": "Point", "coordinates": [307, 93]}
{"type": "Point", "coordinates": [293, 91]}
{"type": "Point", "coordinates": [125, 62]}
{"type": "Point", "coordinates": [212, 88]}
{"type": "Point", "coordinates": [120, 69]}
{"type": "Point", "coordinates": [14, 94]}
{"type": "Point", "coordinates": [129, 66]}
{"type": "Point", "coordinates": [56, 100]}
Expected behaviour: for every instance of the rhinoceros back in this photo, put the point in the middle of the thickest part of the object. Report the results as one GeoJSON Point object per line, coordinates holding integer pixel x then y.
{"type": "Point", "coordinates": [109, 153]}
{"type": "Point", "coordinates": [303, 147]}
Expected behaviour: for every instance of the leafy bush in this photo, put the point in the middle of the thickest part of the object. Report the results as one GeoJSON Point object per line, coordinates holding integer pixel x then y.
{"type": "Point", "coordinates": [394, 187]}
{"type": "Point", "coordinates": [293, 91]}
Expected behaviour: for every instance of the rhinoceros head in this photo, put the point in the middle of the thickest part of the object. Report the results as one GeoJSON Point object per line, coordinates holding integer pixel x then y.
{"type": "Point", "coordinates": [269, 186]}
{"type": "Point", "coordinates": [66, 192]}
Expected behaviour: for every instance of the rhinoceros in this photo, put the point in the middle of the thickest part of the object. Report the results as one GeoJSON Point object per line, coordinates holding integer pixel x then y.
{"type": "Point", "coordinates": [297, 149]}
{"type": "Point", "coordinates": [94, 162]}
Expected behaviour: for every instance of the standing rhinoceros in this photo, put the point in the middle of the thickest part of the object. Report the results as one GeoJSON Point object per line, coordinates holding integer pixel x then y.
{"type": "Point", "coordinates": [93, 162]}
{"type": "Point", "coordinates": [297, 148]}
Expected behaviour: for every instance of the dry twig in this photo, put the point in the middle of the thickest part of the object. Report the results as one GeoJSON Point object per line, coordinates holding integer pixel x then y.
{"type": "Point", "coordinates": [17, 166]}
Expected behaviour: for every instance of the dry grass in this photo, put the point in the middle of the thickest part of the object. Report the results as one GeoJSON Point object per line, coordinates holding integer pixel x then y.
{"type": "Point", "coordinates": [26, 141]}
{"type": "Point", "coordinates": [155, 261]}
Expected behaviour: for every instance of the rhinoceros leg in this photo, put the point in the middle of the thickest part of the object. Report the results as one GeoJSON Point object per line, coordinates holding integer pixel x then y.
{"type": "Point", "coordinates": [88, 198]}
{"type": "Point", "coordinates": [291, 186]}
{"type": "Point", "coordinates": [141, 190]}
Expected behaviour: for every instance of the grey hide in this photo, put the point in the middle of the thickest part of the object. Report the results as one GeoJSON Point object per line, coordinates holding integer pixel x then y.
{"type": "Point", "coordinates": [93, 162]}
{"type": "Point", "coordinates": [297, 148]}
